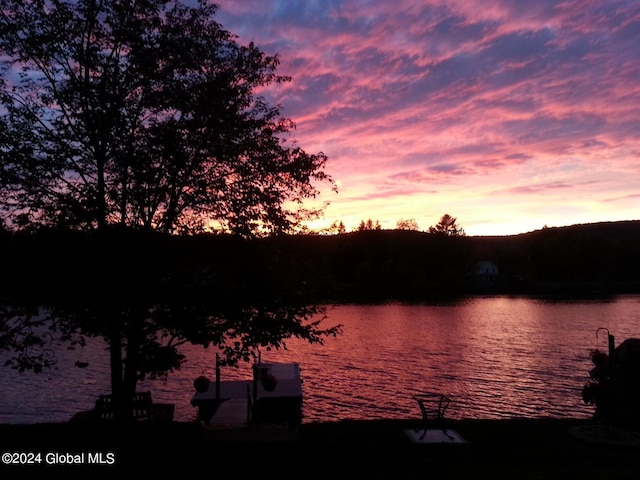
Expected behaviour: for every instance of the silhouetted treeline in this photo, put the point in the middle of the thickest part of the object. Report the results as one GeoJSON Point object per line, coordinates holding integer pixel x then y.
{"type": "Point", "coordinates": [376, 265]}
{"type": "Point", "coordinates": [590, 259]}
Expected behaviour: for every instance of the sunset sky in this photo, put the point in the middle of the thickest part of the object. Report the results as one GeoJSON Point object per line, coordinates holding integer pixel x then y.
{"type": "Point", "coordinates": [508, 115]}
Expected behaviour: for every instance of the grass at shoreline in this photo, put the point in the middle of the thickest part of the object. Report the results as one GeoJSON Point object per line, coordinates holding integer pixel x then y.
{"type": "Point", "coordinates": [518, 448]}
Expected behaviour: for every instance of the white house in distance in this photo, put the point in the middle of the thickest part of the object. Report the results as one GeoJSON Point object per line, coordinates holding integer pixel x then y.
{"type": "Point", "coordinates": [485, 273]}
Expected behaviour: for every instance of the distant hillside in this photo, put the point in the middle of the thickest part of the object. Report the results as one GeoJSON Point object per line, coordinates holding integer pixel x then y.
{"type": "Point", "coordinates": [374, 265]}
{"type": "Point", "coordinates": [580, 259]}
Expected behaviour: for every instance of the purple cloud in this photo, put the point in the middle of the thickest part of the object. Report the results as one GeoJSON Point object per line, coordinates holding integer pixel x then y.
{"type": "Point", "coordinates": [458, 94]}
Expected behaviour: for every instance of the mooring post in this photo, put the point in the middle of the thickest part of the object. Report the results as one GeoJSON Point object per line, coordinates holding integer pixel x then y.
{"type": "Point", "coordinates": [217, 379]}
{"type": "Point", "coordinates": [256, 373]}
{"type": "Point", "coordinates": [610, 339]}
{"type": "Point", "coordinates": [612, 346]}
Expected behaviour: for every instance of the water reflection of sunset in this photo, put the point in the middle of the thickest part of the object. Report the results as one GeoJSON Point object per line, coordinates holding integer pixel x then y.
{"type": "Point", "coordinates": [495, 357]}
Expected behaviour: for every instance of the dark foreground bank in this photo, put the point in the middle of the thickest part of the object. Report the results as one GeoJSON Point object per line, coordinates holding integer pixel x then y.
{"type": "Point", "coordinates": [519, 448]}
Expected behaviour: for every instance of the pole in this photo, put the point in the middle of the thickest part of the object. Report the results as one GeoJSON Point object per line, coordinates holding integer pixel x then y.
{"type": "Point", "coordinates": [612, 346]}
{"type": "Point", "coordinates": [217, 379]}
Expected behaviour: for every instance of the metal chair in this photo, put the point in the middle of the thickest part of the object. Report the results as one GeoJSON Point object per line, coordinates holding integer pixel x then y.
{"type": "Point", "coordinates": [433, 407]}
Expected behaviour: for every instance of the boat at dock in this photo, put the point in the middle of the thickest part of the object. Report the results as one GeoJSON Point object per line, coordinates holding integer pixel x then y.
{"type": "Point", "coordinates": [272, 394]}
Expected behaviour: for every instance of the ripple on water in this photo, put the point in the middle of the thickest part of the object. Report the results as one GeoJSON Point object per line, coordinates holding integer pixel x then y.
{"type": "Point", "coordinates": [495, 357]}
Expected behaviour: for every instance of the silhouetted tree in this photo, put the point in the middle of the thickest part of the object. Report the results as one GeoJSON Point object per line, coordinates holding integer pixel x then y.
{"type": "Point", "coordinates": [369, 225]}
{"type": "Point", "coordinates": [337, 227]}
{"type": "Point", "coordinates": [447, 226]}
{"type": "Point", "coordinates": [408, 224]}
{"type": "Point", "coordinates": [143, 115]}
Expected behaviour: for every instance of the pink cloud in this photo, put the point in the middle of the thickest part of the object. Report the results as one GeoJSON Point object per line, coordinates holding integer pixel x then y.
{"type": "Point", "coordinates": [405, 97]}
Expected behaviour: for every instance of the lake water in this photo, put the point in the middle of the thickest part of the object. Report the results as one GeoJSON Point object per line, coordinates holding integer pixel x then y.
{"type": "Point", "coordinates": [496, 357]}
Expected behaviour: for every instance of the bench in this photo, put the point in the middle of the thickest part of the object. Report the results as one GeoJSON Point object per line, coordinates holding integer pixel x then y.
{"type": "Point", "coordinates": [143, 408]}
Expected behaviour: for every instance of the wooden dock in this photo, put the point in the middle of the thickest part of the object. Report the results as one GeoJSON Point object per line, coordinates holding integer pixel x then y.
{"type": "Point", "coordinates": [239, 403]}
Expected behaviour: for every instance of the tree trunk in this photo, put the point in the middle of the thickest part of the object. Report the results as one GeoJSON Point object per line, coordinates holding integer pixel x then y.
{"type": "Point", "coordinates": [132, 362]}
{"type": "Point", "coordinates": [118, 395]}
{"type": "Point", "coordinates": [124, 380]}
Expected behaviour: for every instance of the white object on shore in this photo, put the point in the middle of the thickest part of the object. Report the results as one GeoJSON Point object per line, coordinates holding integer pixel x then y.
{"type": "Point", "coordinates": [434, 435]}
